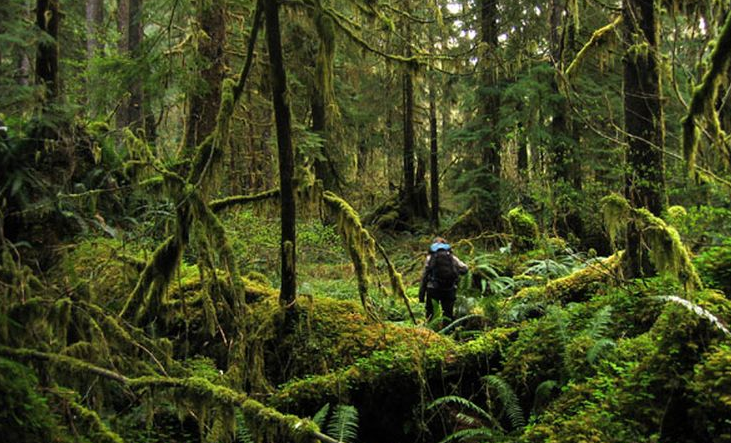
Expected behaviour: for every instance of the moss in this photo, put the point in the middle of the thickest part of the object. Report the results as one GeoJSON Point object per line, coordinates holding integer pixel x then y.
{"type": "Point", "coordinates": [523, 227]}
{"type": "Point", "coordinates": [598, 37]}
{"type": "Point", "coordinates": [711, 387]}
{"type": "Point", "coordinates": [24, 414]}
{"type": "Point", "coordinates": [704, 96]}
{"type": "Point", "coordinates": [667, 250]}
{"type": "Point", "coordinates": [616, 211]}
{"type": "Point", "coordinates": [574, 287]}
{"type": "Point", "coordinates": [359, 243]}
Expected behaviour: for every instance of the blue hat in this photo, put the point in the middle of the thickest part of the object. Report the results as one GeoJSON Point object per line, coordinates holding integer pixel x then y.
{"type": "Point", "coordinates": [437, 246]}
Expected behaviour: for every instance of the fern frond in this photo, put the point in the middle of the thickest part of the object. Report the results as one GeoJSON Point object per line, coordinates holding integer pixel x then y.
{"type": "Point", "coordinates": [461, 402]}
{"type": "Point", "coordinates": [543, 391]}
{"type": "Point", "coordinates": [507, 397]}
{"type": "Point", "coordinates": [321, 416]}
{"type": "Point", "coordinates": [343, 425]}
{"type": "Point", "coordinates": [599, 348]}
{"type": "Point", "coordinates": [469, 435]}
{"type": "Point", "coordinates": [599, 324]}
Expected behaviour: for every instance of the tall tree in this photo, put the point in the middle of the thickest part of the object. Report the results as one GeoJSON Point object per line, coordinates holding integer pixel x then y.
{"type": "Point", "coordinates": [643, 115]}
{"type": "Point", "coordinates": [434, 159]}
{"type": "Point", "coordinates": [286, 154]}
{"type": "Point", "coordinates": [94, 23]}
{"type": "Point", "coordinates": [205, 98]}
{"type": "Point", "coordinates": [131, 111]}
{"type": "Point", "coordinates": [47, 20]}
{"type": "Point", "coordinates": [565, 171]}
{"type": "Point", "coordinates": [489, 206]}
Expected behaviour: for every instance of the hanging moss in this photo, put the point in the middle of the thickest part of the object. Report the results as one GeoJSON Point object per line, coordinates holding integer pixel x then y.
{"type": "Point", "coordinates": [523, 227]}
{"type": "Point", "coordinates": [359, 243]}
{"type": "Point", "coordinates": [616, 211]}
{"type": "Point", "coordinates": [598, 37]}
{"type": "Point", "coordinates": [667, 250]}
{"type": "Point", "coordinates": [96, 429]}
{"type": "Point", "coordinates": [704, 97]}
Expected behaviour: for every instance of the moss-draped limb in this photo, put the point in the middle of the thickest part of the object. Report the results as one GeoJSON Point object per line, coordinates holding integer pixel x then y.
{"type": "Point", "coordinates": [666, 248]}
{"type": "Point", "coordinates": [597, 38]}
{"type": "Point", "coordinates": [154, 278]}
{"type": "Point", "coordinates": [225, 203]}
{"type": "Point", "coordinates": [360, 244]}
{"type": "Point", "coordinates": [574, 287]}
{"type": "Point", "coordinates": [704, 97]}
{"type": "Point", "coordinates": [97, 429]}
{"type": "Point", "coordinates": [397, 281]}
{"type": "Point", "coordinates": [199, 388]}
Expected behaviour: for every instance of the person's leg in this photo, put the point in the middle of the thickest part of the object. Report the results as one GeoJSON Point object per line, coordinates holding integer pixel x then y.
{"type": "Point", "coordinates": [429, 305]}
{"type": "Point", "coordinates": [448, 299]}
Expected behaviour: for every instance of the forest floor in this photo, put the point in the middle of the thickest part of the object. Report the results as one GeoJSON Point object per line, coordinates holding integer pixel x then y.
{"type": "Point", "coordinates": [551, 345]}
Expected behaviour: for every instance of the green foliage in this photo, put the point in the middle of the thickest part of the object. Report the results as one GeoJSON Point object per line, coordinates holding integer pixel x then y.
{"type": "Point", "coordinates": [508, 399]}
{"type": "Point", "coordinates": [714, 267]}
{"type": "Point", "coordinates": [24, 414]}
{"type": "Point", "coordinates": [523, 227]}
{"type": "Point", "coordinates": [343, 424]}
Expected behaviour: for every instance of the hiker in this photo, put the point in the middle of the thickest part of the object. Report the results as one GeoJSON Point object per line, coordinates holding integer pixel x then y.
{"type": "Point", "coordinates": [440, 277]}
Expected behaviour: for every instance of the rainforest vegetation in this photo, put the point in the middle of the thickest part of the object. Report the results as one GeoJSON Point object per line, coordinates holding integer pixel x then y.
{"type": "Point", "coordinates": [215, 214]}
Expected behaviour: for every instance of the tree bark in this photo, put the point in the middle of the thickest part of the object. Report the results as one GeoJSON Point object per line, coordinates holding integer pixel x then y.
{"type": "Point", "coordinates": [434, 160]}
{"type": "Point", "coordinates": [644, 181]}
{"type": "Point", "coordinates": [286, 154]}
{"type": "Point", "coordinates": [47, 19]}
{"type": "Point", "coordinates": [409, 189]}
{"type": "Point", "coordinates": [488, 209]}
{"type": "Point", "coordinates": [205, 98]}
{"type": "Point", "coordinates": [94, 23]}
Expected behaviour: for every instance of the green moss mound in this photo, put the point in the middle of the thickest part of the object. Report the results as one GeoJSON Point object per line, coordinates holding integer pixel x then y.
{"type": "Point", "coordinates": [523, 227]}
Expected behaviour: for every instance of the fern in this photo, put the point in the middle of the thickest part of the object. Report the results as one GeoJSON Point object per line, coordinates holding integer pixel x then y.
{"type": "Point", "coordinates": [509, 400]}
{"type": "Point", "coordinates": [599, 348]}
{"type": "Point", "coordinates": [321, 416]}
{"type": "Point", "coordinates": [480, 434]}
{"type": "Point", "coordinates": [462, 403]}
{"type": "Point", "coordinates": [599, 324]}
{"type": "Point", "coordinates": [543, 394]}
{"type": "Point", "coordinates": [343, 425]}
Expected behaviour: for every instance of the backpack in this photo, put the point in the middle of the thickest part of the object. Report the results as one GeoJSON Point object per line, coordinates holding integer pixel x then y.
{"type": "Point", "coordinates": [442, 270]}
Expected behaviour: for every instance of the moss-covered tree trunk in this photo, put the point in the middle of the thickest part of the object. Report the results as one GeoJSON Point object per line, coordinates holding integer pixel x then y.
{"type": "Point", "coordinates": [94, 23]}
{"type": "Point", "coordinates": [409, 176]}
{"type": "Point", "coordinates": [645, 181]}
{"type": "Point", "coordinates": [434, 160]}
{"type": "Point", "coordinates": [286, 154]}
{"type": "Point", "coordinates": [566, 173]}
{"type": "Point", "coordinates": [488, 208]}
{"type": "Point", "coordinates": [205, 99]}
{"type": "Point", "coordinates": [47, 20]}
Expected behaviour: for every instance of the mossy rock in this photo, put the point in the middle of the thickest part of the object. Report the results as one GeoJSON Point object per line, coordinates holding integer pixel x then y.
{"type": "Point", "coordinates": [523, 227]}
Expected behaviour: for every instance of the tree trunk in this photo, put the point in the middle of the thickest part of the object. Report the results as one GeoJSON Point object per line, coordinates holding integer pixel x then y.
{"type": "Point", "coordinates": [564, 166]}
{"type": "Point", "coordinates": [131, 111]}
{"type": "Point", "coordinates": [47, 19]}
{"type": "Point", "coordinates": [409, 189]}
{"type": "Point", "coordinates": [94, 23]}
{"type": "Point", "coordinates": [434, 160]}
{"type": "Point", "coordinates": [644, 181]}
{"type": "Point", "coordinates": [205, 98]}
{"type": "Point", "coordinates": [421, 207]}
{"type": "Point", "coordinates": [488, 208]}
{"type": "Point", "coordinates": [286, 154]}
